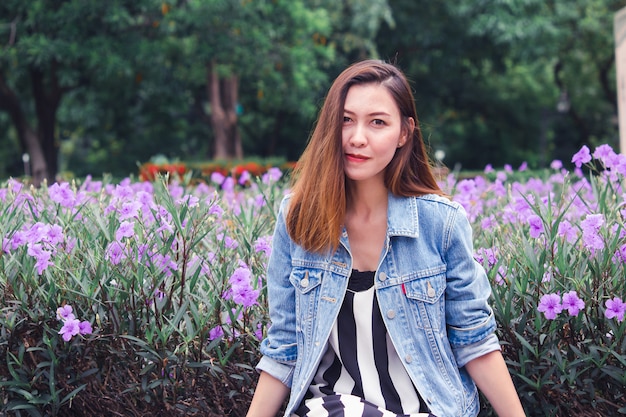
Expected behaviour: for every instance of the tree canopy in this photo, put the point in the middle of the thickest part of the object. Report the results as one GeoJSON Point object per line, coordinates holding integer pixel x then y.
{"type": "Point", "coordinates": [91, 87]}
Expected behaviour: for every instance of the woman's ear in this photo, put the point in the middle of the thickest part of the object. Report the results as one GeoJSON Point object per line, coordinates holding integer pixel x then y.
{"type": "Point", "coordinates": [407, 132]}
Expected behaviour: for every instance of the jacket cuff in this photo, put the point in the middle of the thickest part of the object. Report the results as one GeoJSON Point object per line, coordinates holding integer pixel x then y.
{"type": "Point", "coordinates": [465, 354]}
{"type": "Point", "coordinates": [280, 371]}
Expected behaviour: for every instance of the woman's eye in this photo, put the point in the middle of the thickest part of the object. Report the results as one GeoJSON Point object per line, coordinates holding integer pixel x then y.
{"type": "Point", "coordinates": [378, 122]}
{"type": "Point", "coordinates": [346, 119]}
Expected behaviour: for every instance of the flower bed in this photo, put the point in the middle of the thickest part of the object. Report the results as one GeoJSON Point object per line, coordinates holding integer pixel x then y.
{"type": "Point", "coordinates": [241, 172]}
{"type": "Point", "coordinates": [147, 298]}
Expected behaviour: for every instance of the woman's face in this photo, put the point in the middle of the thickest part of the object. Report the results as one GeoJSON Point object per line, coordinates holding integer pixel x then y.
{"type": "Point", "coordinates": [372, 132]}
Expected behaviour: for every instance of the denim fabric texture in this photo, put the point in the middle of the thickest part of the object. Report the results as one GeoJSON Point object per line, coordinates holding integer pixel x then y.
{"type": "Point", "coordinates": [432, 294]}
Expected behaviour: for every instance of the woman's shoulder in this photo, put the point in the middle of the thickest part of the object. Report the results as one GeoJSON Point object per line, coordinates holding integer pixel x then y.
{"type": "Point", "coordinates": [284, 203]}
{"type": "Point", "coordinates": [436, 200]}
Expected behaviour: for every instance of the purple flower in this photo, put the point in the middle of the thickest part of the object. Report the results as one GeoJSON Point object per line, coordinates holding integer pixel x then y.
{"type": "Point", "coordinates": [241, 290]}
{"type": "Point", "coordinates": [65, 313]}
{"type": "Point", "coordinates": [240, 277]}
{"type": "Point", "coordinates": [259, 331]}
{"type": "Point", "coordinates": [55, 234]}
{"type": "Point", "coordinates": [550, 305]}
{"type": "Point", "coordinates": [62, 194]}
{"type": "Point", "coordinates": [488, 254]}
{"type": "Point", "coordinates": [123, 192]}
{"type": "Point", "coordinates": [591, 229]}
{"type": "Point", "coordinates": [189, 201]}
{"type": "Point", "coordinates": [42, 256]}
{"type": "Point", "coordinates": [500, 277]}
{"type": "Point", "coordinates": [6, 245]}
{"type": "Point", "coordinates": [126, 229]}
{"type": "Point", "coordinates": [556, 164]}
{"type": "Point", "coordinates": [272, 175]}
{"type": "Point", "coordinates": [176, 191]}
{"type": "Point", "coordinates": [217, 178]}
{"type": "Point", "coordinates": [18, 239]}
{"type": "Point", "coordinates": [523, 167]}
{"type": "Point", "coordinates": [229, 184]}
{"type": "Point", "coordinates": [37, 232]}
{"type": "Point", "coordinates": [620, 254]}
{"type": "Point", "coordinates": [488, 222]}
{"type": "Point", "coordinates": [244, 177]}
{"type": "Point", "coordinates": [466, 186]}
{"type": "Point", "coordinates": [489, 169]}
{"type": "Point", "coordinates": [619, 164]}
{"type": "Point", "coordinates": [216, 333]}
{"type": "Point", "coordinates": [259, 200]}
{"type": "Point", "coordinates": [572, 303]}
{"type": "Point", "coordinates": [246, 296]}
{"type": "Point", "coordinates": [581, 157]}
{"type": "Point", "coordinates": [536, 225]}
{"type": "Point", "coordinates": [216, 210]}
{"type": "Point", "coordinates": [262, 244]}
{"type": "Point", "coordinates": [84, 327]}
{"type": "Point", "coordinates": [71, 327]}
{"type": "Point", "coordinates": [547, 275]}
{"type": "Point", "coordinates": [164, 264]}
{"type": "Point", "coordinates": [615, 308]}
{"type": "Point", "coordinates": [115, 253]}
{"type": "Point", "coordinates": [229, 242]}
{"type": "Point", "coordinates": [567, 231]}
{"type": "Point", "coordinates": [604, 153]}
{"type": "Point", "coordinates": [129, 210]}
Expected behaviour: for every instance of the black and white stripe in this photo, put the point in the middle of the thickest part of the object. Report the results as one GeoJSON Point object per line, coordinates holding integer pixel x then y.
{"type": "Point", "coordinates": [361, 374]}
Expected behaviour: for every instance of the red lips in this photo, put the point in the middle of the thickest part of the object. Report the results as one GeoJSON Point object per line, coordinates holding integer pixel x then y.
{"type": "Point", "coordinates": [356, 158]}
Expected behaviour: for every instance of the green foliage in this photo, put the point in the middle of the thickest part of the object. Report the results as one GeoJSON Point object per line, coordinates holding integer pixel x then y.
{"type": "Point", "coordinates": [535, 239]}
{"type": "Point", "coordinates": [489, 76]}
{"type": "Point", "coordinates": [154, 295]}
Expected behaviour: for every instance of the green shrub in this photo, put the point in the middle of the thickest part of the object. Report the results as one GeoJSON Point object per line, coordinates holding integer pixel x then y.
{"type": "Point", "coordinates": [152, 268]}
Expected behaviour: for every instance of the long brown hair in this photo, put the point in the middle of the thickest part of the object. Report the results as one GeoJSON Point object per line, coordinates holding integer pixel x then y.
{"type": "Point", "coordinates": [318, 203]}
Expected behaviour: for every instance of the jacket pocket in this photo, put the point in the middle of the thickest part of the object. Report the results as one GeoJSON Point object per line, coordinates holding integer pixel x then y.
{"type": "Point", "coordinates": [306, 281]}
{"type": "Point", "coordinates": [425, 291]}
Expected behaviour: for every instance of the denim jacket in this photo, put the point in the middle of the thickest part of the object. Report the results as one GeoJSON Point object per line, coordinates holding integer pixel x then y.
{"type": "Point", "coordinates": [432, 295]}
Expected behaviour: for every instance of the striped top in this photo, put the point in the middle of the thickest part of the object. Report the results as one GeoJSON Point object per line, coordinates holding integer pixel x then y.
{"type": "Point", "coordinates": [360, 359]}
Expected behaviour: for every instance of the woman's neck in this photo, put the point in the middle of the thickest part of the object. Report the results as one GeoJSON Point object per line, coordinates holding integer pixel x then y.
{"type": "Point", "coordinates": [367, 200]}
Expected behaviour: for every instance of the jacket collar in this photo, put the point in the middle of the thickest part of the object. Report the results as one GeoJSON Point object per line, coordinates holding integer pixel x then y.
{"type": "Point", "coordinates": [402, 217]}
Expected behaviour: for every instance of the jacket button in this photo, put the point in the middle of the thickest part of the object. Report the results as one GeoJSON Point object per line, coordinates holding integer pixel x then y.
{"type": "Point", "coordinates": [408, 359]}
{"type": "Point", "coordinates": [391, 314]}
{"type": "Point", "coordinates": [304, 282]}
{"type": "Point", "coordinates": [382, 276]}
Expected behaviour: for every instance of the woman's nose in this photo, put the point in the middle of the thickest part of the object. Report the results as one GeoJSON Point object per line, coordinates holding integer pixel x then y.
{"type": "Point", "coordinates": [358, 137]}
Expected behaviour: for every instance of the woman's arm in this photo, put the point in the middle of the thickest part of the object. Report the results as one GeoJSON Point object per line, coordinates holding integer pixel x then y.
{"type": "Point", "coordinates": [269, 396]}
{"type": "Point", "coordinates": [492, 377]}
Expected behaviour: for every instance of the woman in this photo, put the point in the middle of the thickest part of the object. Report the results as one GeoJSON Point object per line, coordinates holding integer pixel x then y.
{"type": "Point", "coordinates": [377, 305]}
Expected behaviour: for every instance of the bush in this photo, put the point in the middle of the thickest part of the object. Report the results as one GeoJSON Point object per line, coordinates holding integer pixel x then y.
{"type": "Point", "coordinates": [132, 299]}
{"type": "Point", "coordinates": [148, 298]}
{"type": "Point", "coordinates": [555, 250]}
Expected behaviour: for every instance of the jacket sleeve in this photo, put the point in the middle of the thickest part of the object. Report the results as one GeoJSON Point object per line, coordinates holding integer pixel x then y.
{"type": "Point", "coordinates": [279, 348]}
{"type": "Point", "coordinates": [470, 319]}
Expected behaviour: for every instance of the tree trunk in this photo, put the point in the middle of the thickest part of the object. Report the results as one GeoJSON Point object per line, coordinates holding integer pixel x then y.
{"type": "Point", "coordinates": [28, 138]}
{"type": "Point", "coordinates": [230, 91]}
{"type": "Point", "coordinates": [223, 95]}
{"type": "Point", "coordinates": [47, 102]}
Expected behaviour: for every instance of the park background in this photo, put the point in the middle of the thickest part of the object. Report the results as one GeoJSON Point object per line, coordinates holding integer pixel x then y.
{"type": "Point", "coordinates": [91, 87]}
{"type": "Point", "coordinates": [92, 92]}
